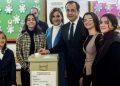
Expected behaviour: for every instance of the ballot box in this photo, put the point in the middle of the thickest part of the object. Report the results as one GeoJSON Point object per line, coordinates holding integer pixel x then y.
{"type": "Point", "coordinates": [43, 69]}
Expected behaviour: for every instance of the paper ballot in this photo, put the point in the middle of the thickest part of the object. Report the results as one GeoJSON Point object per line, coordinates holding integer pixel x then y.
{"type": "Point", "coordinates": [43, 78]}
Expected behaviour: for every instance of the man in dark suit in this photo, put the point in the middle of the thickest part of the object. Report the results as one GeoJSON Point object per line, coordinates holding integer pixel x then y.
{"type": "Point", "coordinates": [42, 24]}
{"type": "Point", "coordinates": [72, 47]}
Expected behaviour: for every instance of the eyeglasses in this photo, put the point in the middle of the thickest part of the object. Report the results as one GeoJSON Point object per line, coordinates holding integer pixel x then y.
{"type": "Point", "coordinates": [85, 20]}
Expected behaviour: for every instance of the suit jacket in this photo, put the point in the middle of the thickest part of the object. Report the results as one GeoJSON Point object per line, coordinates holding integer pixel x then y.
{"type": "Point", "coordinates": [106, 66]}
{"type": "Point", "coordinates": [72, 49]}
{"type": "Point", "coordinates": [8, 67]}
{"type": "Point", "coordinates": [49, 37]}
{"type": "Point", "coordinates": [43, 26]}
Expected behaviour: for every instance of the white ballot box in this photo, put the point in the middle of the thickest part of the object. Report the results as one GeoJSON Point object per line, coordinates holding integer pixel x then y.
{"type": "Point", "coordinates": [43, 69]}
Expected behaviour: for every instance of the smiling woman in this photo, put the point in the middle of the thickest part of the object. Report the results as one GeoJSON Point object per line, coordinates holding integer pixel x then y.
{"type": "Point", "coordinates": [31, 22]}
{"type": "Point", "coordinates": [106, 70]}
{"type": "Point", "coordinates": [91, 24]}
{"type": "Point", "coordinates": [7, 62]}
{"type": "Point", "coordinates": [29, 42]}
{"type": "Point", "coordinates": [53, 36]}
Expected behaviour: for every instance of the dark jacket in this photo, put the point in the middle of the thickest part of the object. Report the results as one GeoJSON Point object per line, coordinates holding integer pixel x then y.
{"type": "Point", "coordinates": [73, 49]}
{"type": "Point", "coordinates": [43, 26]}
{"type": "Point", "coordinates": [106, 66]}
{"type": "Point", "coordinates": [8, 68]}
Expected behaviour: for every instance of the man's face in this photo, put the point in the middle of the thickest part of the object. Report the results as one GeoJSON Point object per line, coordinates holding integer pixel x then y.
{"type": "Point", "coordinates": [35, 12]}
{"type": "Point", "coordinates": [72, 12]}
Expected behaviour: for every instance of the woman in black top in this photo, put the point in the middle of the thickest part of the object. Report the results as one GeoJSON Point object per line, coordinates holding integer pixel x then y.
{"type": "Point", "coordinates": [106, 66]}
{"type": "Point", "coordinates": [91, 24]}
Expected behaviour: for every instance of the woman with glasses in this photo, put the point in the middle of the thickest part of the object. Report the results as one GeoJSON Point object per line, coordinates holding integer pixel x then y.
{"type": "Point", "coordinates": [91, 24]}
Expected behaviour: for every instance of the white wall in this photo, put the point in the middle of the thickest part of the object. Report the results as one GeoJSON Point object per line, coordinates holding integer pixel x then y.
{"type": "Point", "coordinates": [83, 6]}
{"type": "Point", "coordinates": [12, 46]}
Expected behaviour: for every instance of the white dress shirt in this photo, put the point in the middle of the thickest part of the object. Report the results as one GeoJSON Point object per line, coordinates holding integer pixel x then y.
{"type": "Point", "coordinates": [74, 26]}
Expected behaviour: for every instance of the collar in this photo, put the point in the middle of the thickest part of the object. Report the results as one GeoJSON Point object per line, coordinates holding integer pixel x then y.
{"type": "Point", "coordinates": [57, 27]}
{"type": "Point", "coordinates": [76, 21]}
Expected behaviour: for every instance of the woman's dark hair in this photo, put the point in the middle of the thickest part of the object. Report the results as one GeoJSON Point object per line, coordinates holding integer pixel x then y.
{"type": "Point", "coordinates": [4, 47]}
{"type": "Point", "coordinates": [53, 11]}
{"type": "Point", "coordinates": [95, 20]}
{"type": "Point", "coordinates": [112, 18]}
{"type": "Point", "coordinates": [71, 2]}
{"type": "Point", "coordinates": [36, 28]}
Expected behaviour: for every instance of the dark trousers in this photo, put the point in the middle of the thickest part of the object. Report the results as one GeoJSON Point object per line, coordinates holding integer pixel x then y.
{"type": "Point", "coordinates": [87, 80]}
{"type": "Point", "coordinates": [73, 76]}
{"type": "Point", "coordinates": [5, 81]}
{"type": "Point", "coordinates": [73, 82]}
{"type": "Point", "coordinates": [25, 77]}
{"type": "Point", "coordinates": [62, 81]}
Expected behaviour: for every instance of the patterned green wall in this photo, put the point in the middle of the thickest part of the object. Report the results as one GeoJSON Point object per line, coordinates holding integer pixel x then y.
{"type": "Point", "coordinates": [12, 15]}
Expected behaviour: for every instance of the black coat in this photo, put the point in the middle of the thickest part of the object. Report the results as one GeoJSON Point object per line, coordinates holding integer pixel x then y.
{"type": "Point", "coordinates": [7, 69]}
{"type": "Point", "coordinates": [106, 66]}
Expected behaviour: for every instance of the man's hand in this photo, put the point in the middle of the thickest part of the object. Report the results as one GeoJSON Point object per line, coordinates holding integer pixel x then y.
{"type": "Point", "coordinates": [43, 51]}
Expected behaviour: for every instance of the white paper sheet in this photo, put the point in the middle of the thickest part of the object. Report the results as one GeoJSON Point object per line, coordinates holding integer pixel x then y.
{"type": "Point", "coordinates": [43, 78]}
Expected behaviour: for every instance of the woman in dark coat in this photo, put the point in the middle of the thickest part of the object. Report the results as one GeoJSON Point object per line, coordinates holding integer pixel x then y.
{"type": "Point", "coordinates": [106, 66]}
{"type": "Point", "coordinates": [7, 64]}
